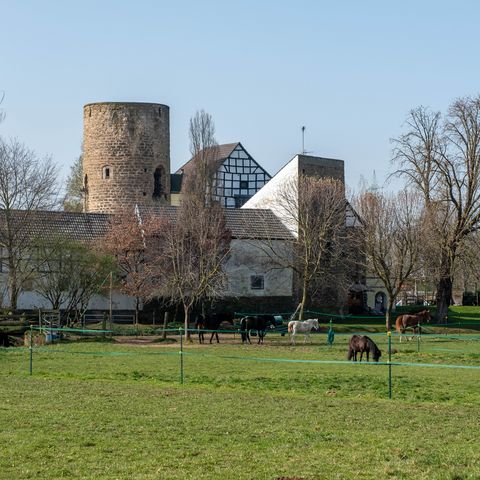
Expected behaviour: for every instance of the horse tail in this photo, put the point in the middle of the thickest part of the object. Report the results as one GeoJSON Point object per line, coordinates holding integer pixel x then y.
{"type": "Point", "coordinates": [290, 327]}
{"type": "Point", "coordinates": [399, 324]}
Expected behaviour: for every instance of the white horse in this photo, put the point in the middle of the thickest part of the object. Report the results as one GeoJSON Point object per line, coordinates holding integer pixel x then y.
{"type": "Point", "coordinates": [305, 327]}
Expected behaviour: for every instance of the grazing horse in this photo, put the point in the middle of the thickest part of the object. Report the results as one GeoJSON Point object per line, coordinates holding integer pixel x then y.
{"type": "Point", "coordinates": [296, 326]}
{"type": "Point", "coordinates": [411, 320]}
{"type": "Point", "coordinates": [211, 323]}
{"type": "Point", "coordinates": [362, 344]}
{"type": "Point", "coordinates": [260, 323]}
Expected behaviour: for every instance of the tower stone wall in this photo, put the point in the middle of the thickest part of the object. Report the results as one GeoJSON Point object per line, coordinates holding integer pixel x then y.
{"type": "Point", "coordinates": [126, 155]}
{"type": "Point", "coordinates": [321, 167]}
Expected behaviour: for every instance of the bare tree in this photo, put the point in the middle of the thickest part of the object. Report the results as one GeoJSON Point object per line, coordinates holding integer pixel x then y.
{"type": "Point", "coordinates": [192, 252]}
{"type": "Point", "coordinates": [128, 240]}
{"type": "Point", "coordinates": [391, 239]}
{"type": "Point", "coordinates": [75, 192]}
{"type": "Point", "coordinates": [314, 209]}
{"type": "Point", "coordinates": [440, 157]}
{"type": "Point", "coordinates": [196, 244]}
{"type": "Point", "coordinates": [200, 178]}
{"type": "Point", "coordinates": [27, 184]}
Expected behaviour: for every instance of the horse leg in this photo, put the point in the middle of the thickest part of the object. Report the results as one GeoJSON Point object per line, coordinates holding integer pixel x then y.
{"type": "Point", "coordinates": [368, 355]}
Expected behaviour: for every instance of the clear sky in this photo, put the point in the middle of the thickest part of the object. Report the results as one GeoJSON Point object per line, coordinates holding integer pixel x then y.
{"type": "Point", "coordinates": [348, 70]}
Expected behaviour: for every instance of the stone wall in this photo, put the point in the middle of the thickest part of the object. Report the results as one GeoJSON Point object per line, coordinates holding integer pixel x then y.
{"type": "Point", "coordinates": [321, 167]}
{"type": "Point", "coordinates": [123, 145]}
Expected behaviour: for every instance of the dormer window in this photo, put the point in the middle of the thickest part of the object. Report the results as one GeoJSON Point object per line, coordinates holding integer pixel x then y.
{"type": "Point", "coordinates": [106, 173]}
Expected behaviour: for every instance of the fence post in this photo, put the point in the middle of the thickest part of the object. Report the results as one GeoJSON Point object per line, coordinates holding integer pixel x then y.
{"type": "Point", "coordinates": [330, 334]}
{"type": "Point", "coordinates": [389, 333]}
{"type": "Point", "coordinates": [418, 337]}
{"type": "Point", "coordinates": [104, 323]}
{"type": "Point", "coordinates": [181, 355]}
{"type": "Point", "coordinates": [31, 350]}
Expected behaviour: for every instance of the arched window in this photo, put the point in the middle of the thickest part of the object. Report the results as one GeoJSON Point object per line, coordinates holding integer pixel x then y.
{"type": "Point", "coordinates": [85, 183]}
{"type": "Point", "coordinates": [380, 302]}
{"type": "Point", "coordinates": [158, 179]}
{"type": "Point", "coordinates": [106, 172]}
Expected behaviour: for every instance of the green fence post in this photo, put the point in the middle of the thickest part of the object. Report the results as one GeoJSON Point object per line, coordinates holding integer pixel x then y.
{"type": "Point", "coordinates": [31, 350]}
{"type": "Point", "coordinates": [330, 334]}
{"type": "Point", "coordinates": [389, 333]}
{"type": "Point", "coordinates": [418, 337]}
{"type": "Point", "coordinates": [181, 354]}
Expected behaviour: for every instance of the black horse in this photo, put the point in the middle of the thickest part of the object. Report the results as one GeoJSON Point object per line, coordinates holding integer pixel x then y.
{"type": "Point", "coordinates": [4, 340]}
{"type": "Point", "coordinates": [362, 344]}
{"type": "Point", "coordinates": [260, 323]}
{"type": "Point", "coordinates": [211, 323]}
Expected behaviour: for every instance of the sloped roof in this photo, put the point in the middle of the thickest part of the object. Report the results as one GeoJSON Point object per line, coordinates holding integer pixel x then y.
{"type": "Point", "coordinates": [243, 223]}
{"type": "Point", "coordinates": [42, 223]}
{"type": "Point", "coordinates": [223, 152]}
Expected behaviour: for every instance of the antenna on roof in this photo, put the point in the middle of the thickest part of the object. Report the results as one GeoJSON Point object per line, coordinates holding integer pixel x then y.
{"type": "Point", "coordinates": [304, 152]}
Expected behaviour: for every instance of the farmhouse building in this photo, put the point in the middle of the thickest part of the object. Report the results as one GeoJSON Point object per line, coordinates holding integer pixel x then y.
{"type": "Point", "coordinates": [249, 269]}
{"type": "Point", "coordinates": [237, 177]}
{"type": "Point", "coordinates": [126, 167]}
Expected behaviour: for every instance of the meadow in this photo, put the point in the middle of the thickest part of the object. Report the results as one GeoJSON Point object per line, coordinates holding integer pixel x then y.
{"type": "Point", "coordinates": [111, 410]}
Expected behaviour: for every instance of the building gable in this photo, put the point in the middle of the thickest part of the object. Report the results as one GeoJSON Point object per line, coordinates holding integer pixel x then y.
{"type": "Point", "coordinates": [238, 178]}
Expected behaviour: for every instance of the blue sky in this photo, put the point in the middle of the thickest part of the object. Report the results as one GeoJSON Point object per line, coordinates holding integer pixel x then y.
{"type": "Point", "coordinates": [348, 70]}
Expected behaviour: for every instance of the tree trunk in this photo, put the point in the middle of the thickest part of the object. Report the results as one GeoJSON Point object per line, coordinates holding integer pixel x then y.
{"type": "Point", "coordinates": [444, 297]}
{"type": "Point", "coordinates": [304, 299]}
{"type": "Point", "coordinates": [165, 323]}
{"type": "Point", "coordinates": [137, 305]}
{"type": "Point", "coordinates": [13, 289]}
{"type": "Point", "coordinates": [186, 309]}
{"type": "Point", "coordinates": [388, 314]}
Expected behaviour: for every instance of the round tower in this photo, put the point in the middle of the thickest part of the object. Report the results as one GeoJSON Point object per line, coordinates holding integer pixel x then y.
{"type": "Point", "coordinates": [126, 155]}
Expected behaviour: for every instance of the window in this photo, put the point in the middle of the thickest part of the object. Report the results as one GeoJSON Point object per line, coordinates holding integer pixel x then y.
{"type": "Point", "coordinates": [243, 184]}
{"type": "Point", "coordinates": [106, 172]}
{"type": "Point", "coordinates": [158, 182]}
{"type": "Point", "coordinates": [257, 282]}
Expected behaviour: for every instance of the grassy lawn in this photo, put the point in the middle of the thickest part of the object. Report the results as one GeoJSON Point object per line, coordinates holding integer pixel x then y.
{"type": "Point", "coordinates": [117, 411]}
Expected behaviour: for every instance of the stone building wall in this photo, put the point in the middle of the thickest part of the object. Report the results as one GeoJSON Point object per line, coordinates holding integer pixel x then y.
{"type": "Point", "coordinates": [126, 155]}
{"type": "Point", "coordinates": [321, 167]}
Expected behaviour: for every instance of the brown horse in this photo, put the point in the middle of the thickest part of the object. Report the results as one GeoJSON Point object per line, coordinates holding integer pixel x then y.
{"type": "Point", "coordinates": [411, 320]}
{"type": "Point", "coordinates": [361, 344]}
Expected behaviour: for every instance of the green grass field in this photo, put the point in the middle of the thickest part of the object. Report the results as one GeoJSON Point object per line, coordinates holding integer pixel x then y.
{"type": "Point", "coordinates": [104, 410]}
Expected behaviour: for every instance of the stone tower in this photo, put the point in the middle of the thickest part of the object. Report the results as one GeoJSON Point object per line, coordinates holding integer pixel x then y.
{"type": "Point", "coordinates": [126, 155]}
